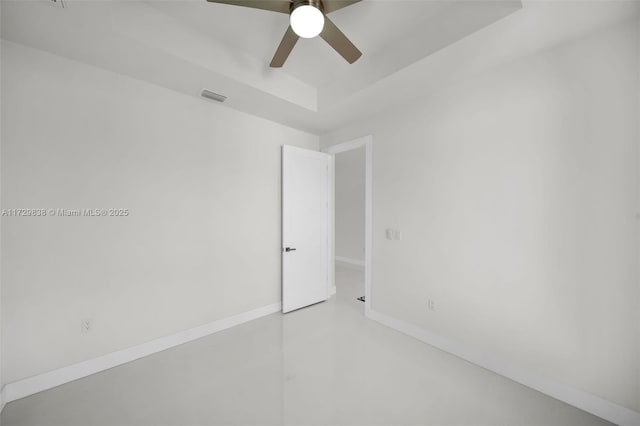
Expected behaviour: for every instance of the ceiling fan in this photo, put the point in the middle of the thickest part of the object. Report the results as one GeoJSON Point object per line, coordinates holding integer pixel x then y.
{"type": "Point", "coordinates": [307, 20]}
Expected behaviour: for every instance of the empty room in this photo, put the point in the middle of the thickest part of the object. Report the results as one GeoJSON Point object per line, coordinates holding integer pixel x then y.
{"type": "Point", "coordinates": [319, 212]}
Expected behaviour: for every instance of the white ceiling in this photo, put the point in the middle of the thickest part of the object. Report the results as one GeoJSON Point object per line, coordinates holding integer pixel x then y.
{"type": "Point", "coordinates": [409, 48]}
{"type": "Point", "coordinates": [372, 25]}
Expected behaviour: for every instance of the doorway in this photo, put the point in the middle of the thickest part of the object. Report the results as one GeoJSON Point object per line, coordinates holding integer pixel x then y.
{"type": "Point", "coordinates": [351, 222]}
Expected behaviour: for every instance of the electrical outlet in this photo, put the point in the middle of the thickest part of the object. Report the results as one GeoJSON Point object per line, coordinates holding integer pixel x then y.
{"type": "Point", "coordinates": [86, 325]}
{"type": "Point", "coordinates": [390, 234]}
{"type": "Point", "coordinates": [431, 304]}
{"type": "Point", "coordinates": [393, 234]}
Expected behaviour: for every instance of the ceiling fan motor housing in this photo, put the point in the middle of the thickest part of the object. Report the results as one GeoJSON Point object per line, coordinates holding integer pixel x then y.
{"type": "Point", "coordinates": [315, 3]}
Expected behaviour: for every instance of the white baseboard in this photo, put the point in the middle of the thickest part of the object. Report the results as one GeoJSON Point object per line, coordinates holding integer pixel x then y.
{"type": "Point", "coordinates": [41, 382]}
{"type": "Point", "coordinates": [350, 261]}
{"type": "Point", "coordinates": [2, 403]}
{"type": "Point", "coordinates": [592, 404]}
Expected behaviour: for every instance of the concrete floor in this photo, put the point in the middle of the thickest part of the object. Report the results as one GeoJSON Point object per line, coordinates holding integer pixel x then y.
{"type": "Point", "coordinates": [325, 364]}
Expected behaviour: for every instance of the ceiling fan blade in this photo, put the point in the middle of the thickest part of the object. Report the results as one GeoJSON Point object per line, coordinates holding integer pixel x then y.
{"type": "Point", "coordinates": [281, 6]}
{"type": "Point", "coordinates": [336, 39]}
{"type": "Point", "coordinates": [333, 5]}
{"type": "Point", "coordinates": [286, 46]}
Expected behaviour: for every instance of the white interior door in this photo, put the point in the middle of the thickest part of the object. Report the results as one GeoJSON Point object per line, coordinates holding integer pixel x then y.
{"type": "Point", "coordinates": [305, 227]}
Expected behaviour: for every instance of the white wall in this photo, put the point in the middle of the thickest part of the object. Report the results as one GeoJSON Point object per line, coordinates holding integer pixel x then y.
{"type": "Point", "coordinates": [1, 96]}
{"type": "Point", "coordinates": [517, 193]}
{"type": "Point", "coordinates": [349, 204]}
{"type": "Point", "coordinates": [637, 321]}
{"type": "Point", "coordinates": [201, 181]}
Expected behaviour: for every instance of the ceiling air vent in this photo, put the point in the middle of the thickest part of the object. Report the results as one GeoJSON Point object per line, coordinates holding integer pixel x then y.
{"type": "Point", "coordinates": [213, 95]}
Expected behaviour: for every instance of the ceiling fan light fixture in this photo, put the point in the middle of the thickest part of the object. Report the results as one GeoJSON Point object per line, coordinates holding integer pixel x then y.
{"type": "Point", "coordinates": [307, 21]}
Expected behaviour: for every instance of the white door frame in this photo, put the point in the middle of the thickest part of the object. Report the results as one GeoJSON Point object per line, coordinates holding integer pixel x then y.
{"type": "Point", "coordinates": [367, 143]}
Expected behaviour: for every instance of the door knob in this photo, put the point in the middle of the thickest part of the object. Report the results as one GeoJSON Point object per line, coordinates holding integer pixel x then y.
{"type": "Point", "coordinates": [288, 249]}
